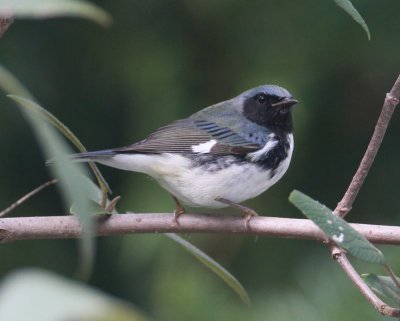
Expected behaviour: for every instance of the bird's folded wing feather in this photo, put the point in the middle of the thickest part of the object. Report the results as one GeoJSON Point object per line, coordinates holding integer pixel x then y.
{"type": "Point", "coordinates": [183, 135]}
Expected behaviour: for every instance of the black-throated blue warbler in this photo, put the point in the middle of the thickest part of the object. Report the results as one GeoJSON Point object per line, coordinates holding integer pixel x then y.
{"type": "Point", "coordinates": [220, 156]}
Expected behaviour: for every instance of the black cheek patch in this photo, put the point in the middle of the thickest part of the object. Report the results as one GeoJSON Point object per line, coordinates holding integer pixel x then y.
{"type": "Point", "coordinates": [254, 111]}
{"type": "Point", "coordinates": [268, 116]}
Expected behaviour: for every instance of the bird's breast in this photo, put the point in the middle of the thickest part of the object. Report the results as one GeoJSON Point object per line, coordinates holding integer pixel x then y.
{"type": "Point", "coordinates": [276, 154]}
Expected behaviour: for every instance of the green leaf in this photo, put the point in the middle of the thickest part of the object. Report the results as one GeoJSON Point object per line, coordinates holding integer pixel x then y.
{"type": "Point", "coordinates": [73, 186]}
{"type": "Point", "coordinates": [12, 85]}
{"type": "Point", "coordinates": [76, 142]}
{"type": "Point", "coordinates": [347, 6]}
{"type": "Point", "coordinates": [384, 286]}
{"type": "Point", "coordinates": [95, 209]}
{"type": "Point", "coordinates": [42, 9]}
{"type": "Point", "coordinates": [228, 278]}
{"type": "Point", "coordinates": [337, 229]}
{"type": "Point", "coordinates": [202, 257]}
{"type": "Point", "coordinates": [37, 295]}
{"type": "Point", "coordinates": [196, 252]}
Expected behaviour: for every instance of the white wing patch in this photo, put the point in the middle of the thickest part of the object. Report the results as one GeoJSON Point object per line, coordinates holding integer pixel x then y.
{"type": "Point", "coordinates": [204, 148]}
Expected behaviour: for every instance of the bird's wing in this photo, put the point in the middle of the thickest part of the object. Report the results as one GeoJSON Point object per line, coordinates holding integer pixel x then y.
{"type": "Point", "coordinates": [188, 135]}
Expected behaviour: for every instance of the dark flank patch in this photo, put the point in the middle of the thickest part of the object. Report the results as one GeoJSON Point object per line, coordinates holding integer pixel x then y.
{"type": "Point", "coordinates": [214, 163]}
{"type": "Point", "coordinates": [269, 161]}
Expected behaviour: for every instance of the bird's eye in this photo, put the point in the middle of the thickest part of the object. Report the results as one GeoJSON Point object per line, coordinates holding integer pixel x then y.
{"type": "Point", "coordinates": [261, 98]}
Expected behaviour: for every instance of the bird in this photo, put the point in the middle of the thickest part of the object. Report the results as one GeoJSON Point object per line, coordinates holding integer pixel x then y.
{"type": "Point", "coordinates": [220, 156]}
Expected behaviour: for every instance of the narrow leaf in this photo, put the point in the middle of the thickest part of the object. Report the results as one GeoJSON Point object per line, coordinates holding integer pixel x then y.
{"type": "Point", "coordinates": [42, 9]}
{"type": "Point", "coordinates": [12, 85]}
{"type": "Point", "coordinates": [38, 295]}
{"type": "Point", "coordinates": [384, 286]}
{"type": "Point", "coordinates": [347, 6]}
{"type": "Point", "coordinates": [74, 140]}
{"type": "Point", "coordinates": [73, 186]}
{"type": "Point", "coordinates": [202, 257]}
{"type": "Point", "coordinates": [228, 278]}
{"type": "Point", "coordinates": [95, 209]}
{"type": "Point", "coordinates": [337, 229]}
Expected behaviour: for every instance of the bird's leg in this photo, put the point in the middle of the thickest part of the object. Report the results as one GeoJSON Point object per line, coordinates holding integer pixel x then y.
{"type": "Point", "coordinates": [179, 209]}
{"type": "Point", "coordinates": [248, 213]}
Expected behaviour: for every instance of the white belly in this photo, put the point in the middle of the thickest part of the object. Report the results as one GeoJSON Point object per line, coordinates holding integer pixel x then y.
{"type": "Point", "coordinates": [198, 186]}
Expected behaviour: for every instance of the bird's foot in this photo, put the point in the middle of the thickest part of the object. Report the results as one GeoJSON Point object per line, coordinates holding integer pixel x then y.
{"type": "Point", "coordinates": [248, 213]}
{"type": "Point", "coordinates": [179, 210]}
{"type": "Point", "coordinates": [177, 213]}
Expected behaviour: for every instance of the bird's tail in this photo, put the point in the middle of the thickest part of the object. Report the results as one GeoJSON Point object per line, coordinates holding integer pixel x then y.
{"type": "Point", "coordinates": [87, 156]}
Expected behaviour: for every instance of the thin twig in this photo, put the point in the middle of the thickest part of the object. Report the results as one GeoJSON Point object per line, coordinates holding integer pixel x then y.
{"type": "Point", "coordinates": [5, 22]}
{"type": "Point", "coordinates": [340, 257]}
{"type": "Point", "coordinates": [391, 101]}
{"type": "Point", "coordinates": [59, 227]}
{"type": "Point", "coordinates": [345, 205]}
{"type": "Point", "coordinates": [27, 196]}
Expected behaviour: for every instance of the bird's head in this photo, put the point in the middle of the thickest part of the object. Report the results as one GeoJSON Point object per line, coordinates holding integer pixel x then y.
{"type": "Point", "coordinates": [268, 106]}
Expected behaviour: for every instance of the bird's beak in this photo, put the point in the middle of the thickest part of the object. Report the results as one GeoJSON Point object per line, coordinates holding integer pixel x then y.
{"type": "Point", "coordinates": [286, 102]}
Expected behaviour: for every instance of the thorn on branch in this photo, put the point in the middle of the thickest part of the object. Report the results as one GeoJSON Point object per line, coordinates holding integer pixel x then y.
{"type": "Point", "coordinates": [336, 251]}
{"type": "Point", "coordinates": [4, 235]}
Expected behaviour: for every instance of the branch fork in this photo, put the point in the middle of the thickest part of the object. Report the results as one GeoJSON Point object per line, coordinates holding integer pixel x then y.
{"type": "Point", "coordinates": [344, 206]}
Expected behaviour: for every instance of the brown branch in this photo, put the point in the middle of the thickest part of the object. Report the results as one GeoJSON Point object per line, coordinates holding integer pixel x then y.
{"type": "Point", "coordinates": [27, 196]}
{"type": "Point", "coordinates": [345, 205]}
{"type": "Point", "coordinates": [5, 22]}
{"type": "Point", "coordinates": [391, 101]}
{"type": "Point", "coordinates": [62, 227]}
{"type": "Point", "coordinates": [340, 257]}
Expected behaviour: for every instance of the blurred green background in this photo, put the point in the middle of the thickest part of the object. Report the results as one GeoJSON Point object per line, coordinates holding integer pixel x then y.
{"type": "Point", "coordinates": [163, 60]}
